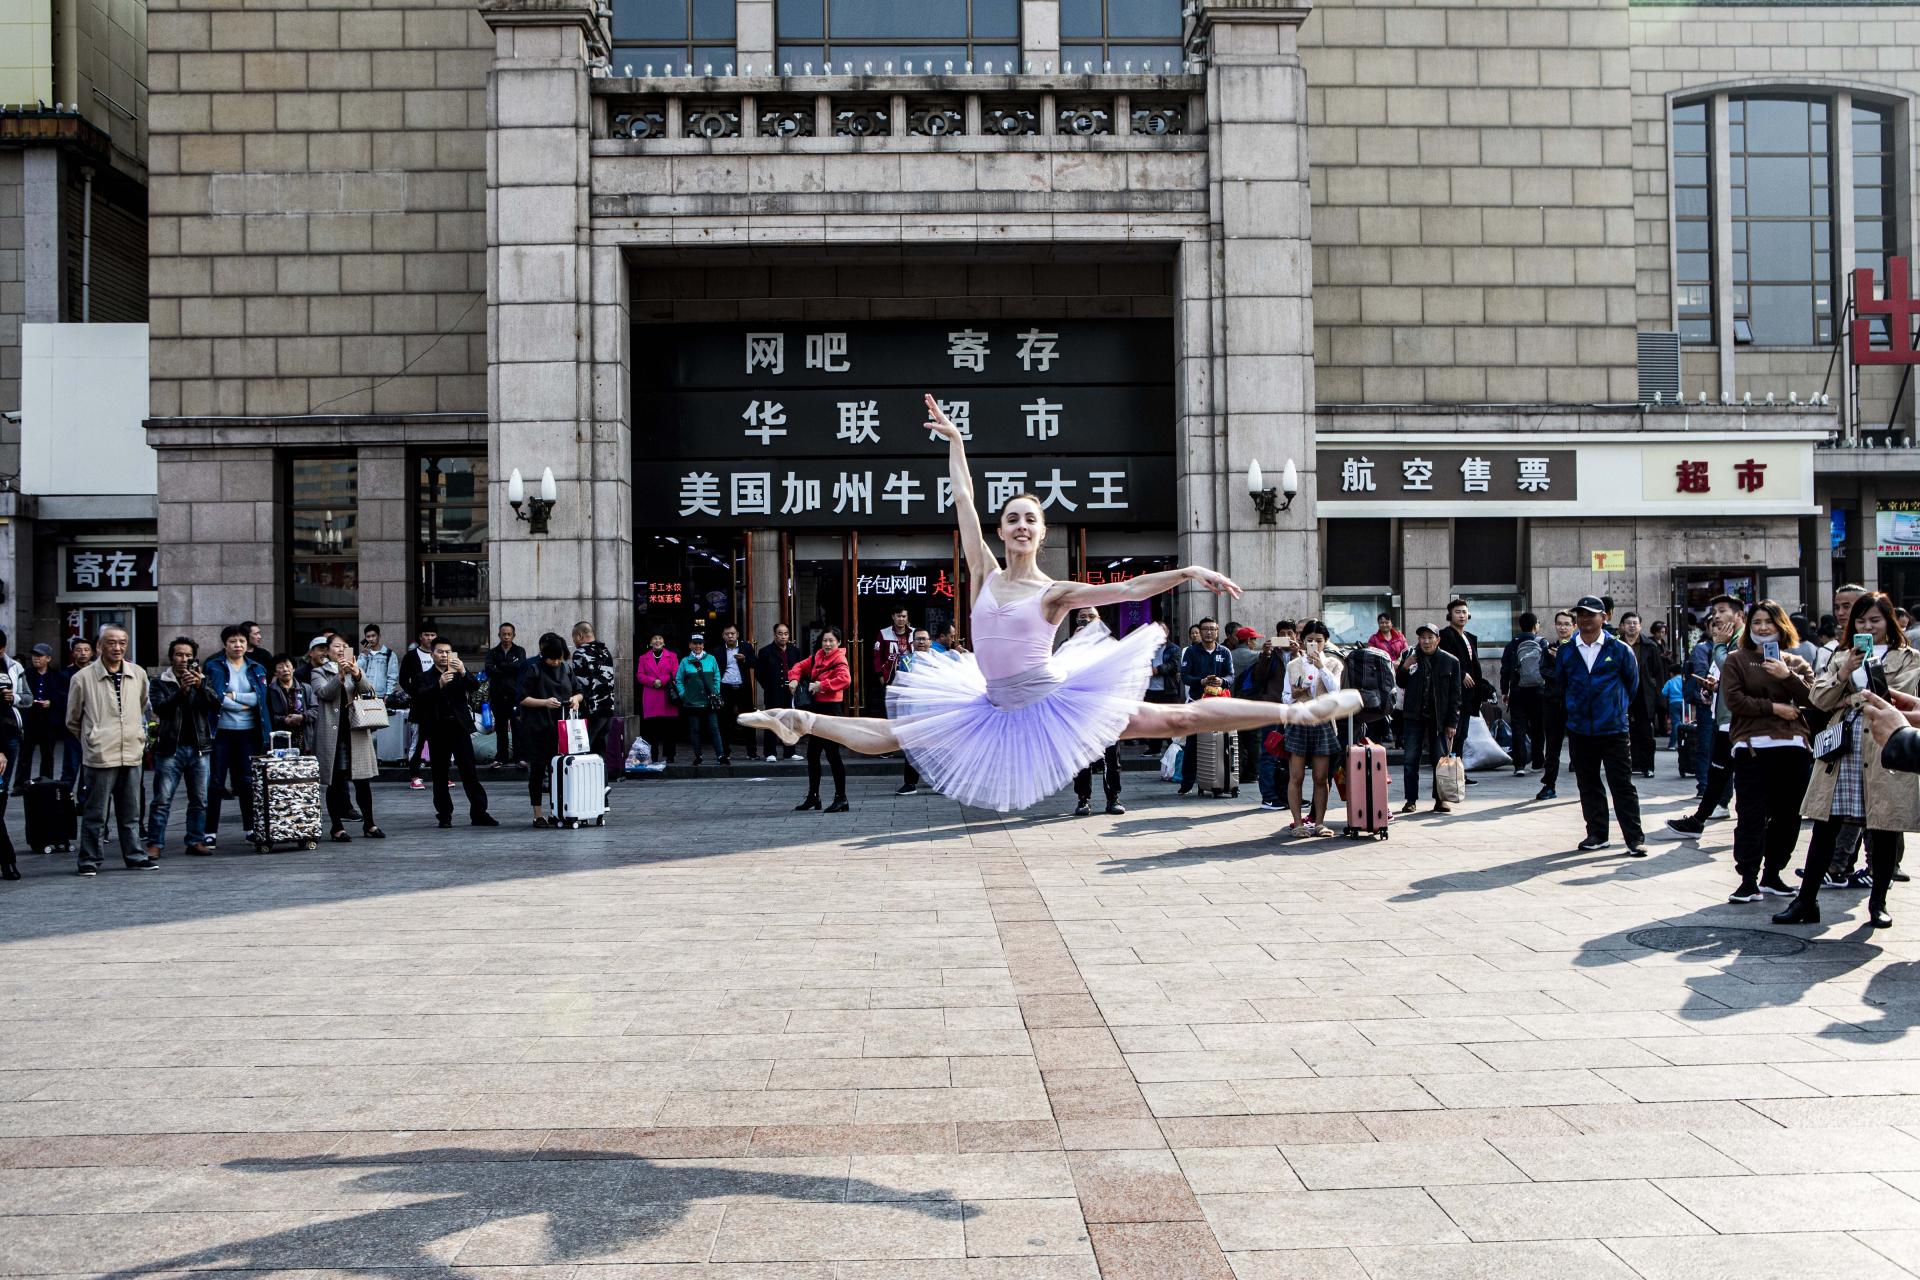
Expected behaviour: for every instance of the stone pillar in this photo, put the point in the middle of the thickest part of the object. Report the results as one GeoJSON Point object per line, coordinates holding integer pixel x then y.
{"type": "Point", "coordinates": [1040, 33]}
{"type": "Point", "coordinates": [766, 586]}
{"type": "Point", "coordinates": [1863, 547]}
{"type": "Point", "coordinates": [1261, 280]}
{"type": "Point", "coordinates": [753, 39]}
{"type": "Point", "coordinates": [556, 333]}
{"type": "Point", "coordinates": [43, 265]}
{"type": "Point", "coordinates": [386, 540]}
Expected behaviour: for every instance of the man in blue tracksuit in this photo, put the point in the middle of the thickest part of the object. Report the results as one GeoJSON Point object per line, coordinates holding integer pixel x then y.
{"type": "Point", "coordinates": [1601, 677]}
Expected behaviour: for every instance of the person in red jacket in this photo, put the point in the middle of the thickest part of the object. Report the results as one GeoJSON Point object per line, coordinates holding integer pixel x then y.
{"type": "Point", "coordinates": [822, 681]}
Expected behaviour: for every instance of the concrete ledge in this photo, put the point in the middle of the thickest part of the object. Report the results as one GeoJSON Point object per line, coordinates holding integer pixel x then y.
{"type": "Point", "coordinates": [307, 431]}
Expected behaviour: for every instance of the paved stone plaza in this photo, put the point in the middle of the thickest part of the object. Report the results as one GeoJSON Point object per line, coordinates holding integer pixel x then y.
{"type": "Point", "coordinates": [723, 1039]}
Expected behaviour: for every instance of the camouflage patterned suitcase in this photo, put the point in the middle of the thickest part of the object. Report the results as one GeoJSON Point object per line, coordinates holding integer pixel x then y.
{"type": "Point", "coordinates": [286, 802]}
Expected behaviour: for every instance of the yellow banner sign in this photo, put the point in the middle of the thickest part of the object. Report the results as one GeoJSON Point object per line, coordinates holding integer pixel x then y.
{"type": "Point", "coordinates": [1609, 561]}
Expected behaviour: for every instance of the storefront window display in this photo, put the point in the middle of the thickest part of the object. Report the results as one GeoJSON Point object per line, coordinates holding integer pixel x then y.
{"type": "Point", "coordinates": [689, 584]}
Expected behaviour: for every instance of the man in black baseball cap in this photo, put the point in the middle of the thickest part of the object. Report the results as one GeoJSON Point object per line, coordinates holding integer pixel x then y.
{"type": "Point", "coordinates": [1431, 677]}
{"type": "Point", "coordinates": [1601, 676]}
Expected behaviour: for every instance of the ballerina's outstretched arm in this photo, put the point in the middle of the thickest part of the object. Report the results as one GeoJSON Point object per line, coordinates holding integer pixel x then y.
{"type": "Point", "coordinates": [1064, 597]}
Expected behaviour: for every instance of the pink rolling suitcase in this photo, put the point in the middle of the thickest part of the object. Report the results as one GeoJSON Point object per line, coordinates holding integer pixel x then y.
{"type": "Point", "coordinates": [1369, 808]}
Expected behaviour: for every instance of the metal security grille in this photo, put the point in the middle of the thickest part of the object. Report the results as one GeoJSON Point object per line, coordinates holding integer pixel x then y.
{"type": "Point", "coordinates": [1659, 351]}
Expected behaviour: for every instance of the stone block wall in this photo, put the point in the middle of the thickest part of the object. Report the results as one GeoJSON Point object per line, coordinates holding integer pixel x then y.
{"type": "Point", "coordinates": [317, 208]}
{"type": "Point", "coordinates": [1559, 558]}
{"type": "Point", "coordinates": [13, 285]}
{"type": "Point", "coordinates": [1856, 47]}
{"type": "Point", "coordinates": [1473, 234]}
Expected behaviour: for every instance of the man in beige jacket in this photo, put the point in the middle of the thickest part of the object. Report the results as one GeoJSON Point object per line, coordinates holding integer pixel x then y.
{"type": "Point", "coordinates": [106, 711]}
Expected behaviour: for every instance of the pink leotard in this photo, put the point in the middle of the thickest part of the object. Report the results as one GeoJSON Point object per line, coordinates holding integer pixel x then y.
{"type": "Point", "coordinates": [1012, 638]}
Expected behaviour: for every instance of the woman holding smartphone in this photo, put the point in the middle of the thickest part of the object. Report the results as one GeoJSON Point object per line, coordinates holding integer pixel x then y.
{"type": "Point", "coordinates": [1849, 782]}
{"type": "Point", "coordinates": [1311, 675]}
{"type": "Point", "coordinates": [1765, 687]}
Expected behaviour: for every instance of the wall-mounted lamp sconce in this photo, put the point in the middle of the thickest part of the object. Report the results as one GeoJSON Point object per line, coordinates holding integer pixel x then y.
{"type": "Point", "coordinates": [536, 509]}
{"type": "Point", "coordinates": [1265, 500]}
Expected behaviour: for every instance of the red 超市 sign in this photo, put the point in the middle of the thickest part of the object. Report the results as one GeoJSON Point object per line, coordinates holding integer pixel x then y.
{"type": "Point", "coordinates": [1900, 308]}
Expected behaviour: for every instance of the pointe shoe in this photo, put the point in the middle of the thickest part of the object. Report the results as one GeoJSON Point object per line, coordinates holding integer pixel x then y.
{"type": "Point", "coordinates": [777, 723]}
{"type": "Point", "coordinates": [1328, 706]}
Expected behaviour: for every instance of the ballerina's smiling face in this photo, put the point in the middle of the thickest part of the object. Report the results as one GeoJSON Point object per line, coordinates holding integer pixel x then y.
{"type": "Point", "coordinates": [1022, 527]}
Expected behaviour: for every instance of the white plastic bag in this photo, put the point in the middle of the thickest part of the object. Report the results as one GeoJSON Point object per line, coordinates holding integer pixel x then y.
{"type": "Point", "coordinates": [1481, 751]}
{"type": "Point", "coordinates": [640, 759]}
{"type": "Point", "coordinates": [1170, 763]}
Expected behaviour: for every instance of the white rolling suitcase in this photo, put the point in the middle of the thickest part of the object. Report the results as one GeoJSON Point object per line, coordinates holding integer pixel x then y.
{"type": "Point", "coordinates": [578, 785]}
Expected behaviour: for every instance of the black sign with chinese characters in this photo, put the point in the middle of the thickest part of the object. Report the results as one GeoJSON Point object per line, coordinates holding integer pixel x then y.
{"type": "Point", "coordinates": [1446, 475]}
{"type": "Point", "coordinates": [1006, 421]}
{"type": "Point", "coordinates": [823, 424]}
{"type": "Point", "coordinates": [903, 491]}
{"type": "Point", "coordinates": [89, 570]}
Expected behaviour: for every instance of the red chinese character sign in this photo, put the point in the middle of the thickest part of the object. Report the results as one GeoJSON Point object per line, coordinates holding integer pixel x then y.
{"type": "Point", "coordinates": [1900, 308]}
{"type": "Point", "coordinates": [1692, 477]}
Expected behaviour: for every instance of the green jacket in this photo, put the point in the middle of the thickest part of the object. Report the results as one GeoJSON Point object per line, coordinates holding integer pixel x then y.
{"type": "Point", "coordinates": [696, 685]}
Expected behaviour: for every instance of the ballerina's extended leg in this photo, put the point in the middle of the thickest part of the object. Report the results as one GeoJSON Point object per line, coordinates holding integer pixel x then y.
{"type": "Point", "coordinates": [863, 734]}
{"type": "Point", "coordinates": [1220, 714]}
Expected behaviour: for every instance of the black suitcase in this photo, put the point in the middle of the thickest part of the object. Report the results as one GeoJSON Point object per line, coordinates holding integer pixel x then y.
{"type": "Point", "coordinates": [51, 823]}
{"type": "Point", "coordinates": [1684, 762]}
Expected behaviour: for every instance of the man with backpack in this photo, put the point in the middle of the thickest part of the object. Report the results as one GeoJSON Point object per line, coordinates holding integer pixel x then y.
{"type": "Point", "coordinates": [1523, 683]}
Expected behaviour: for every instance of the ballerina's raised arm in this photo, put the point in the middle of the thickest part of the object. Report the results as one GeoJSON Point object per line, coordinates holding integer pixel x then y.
{"type": "Point", "coordinates": [973, 543]}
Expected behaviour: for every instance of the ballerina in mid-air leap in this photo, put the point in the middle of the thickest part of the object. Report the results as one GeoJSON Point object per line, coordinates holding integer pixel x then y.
{"type": "Point", "coordinates": [1013, 721]}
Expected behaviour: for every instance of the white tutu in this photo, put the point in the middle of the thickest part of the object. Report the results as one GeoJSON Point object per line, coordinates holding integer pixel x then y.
{"type": "Point", "coordinates": [1007, 757]}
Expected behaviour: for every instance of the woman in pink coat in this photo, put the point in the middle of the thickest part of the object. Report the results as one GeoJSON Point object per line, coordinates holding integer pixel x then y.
{"type": "Point", "coordinates": [658, 716]}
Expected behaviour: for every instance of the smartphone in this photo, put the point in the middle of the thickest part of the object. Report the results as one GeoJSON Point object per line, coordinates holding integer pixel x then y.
{"type": "Point", "coordinates": [1770, 650]}
{"type": "Point", "coordinates": [1863, 642]}
{"type": "Point", "coordinates": [1877, 679]}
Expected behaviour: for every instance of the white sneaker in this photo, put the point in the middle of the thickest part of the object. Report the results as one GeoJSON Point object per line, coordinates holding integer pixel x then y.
{"type": "Point", "coordinates": [769, 759]}
{"type": "Point", "coordinates": [1721, 814]}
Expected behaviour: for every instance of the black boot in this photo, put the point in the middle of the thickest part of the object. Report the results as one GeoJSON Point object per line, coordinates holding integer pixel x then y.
{"type": "Point", "coordinates": [1802, 910]}
{"type": "Point", "coordinates": [839, 805]}
{"type": "Point", "coordinates": [811, 802]}
{"type": "Point", "coordinates": [1884, 865]}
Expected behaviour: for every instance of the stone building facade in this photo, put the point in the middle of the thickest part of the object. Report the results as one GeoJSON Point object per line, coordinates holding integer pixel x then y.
{"type": "Point", "coordinates": [74, 138]}
{"type": "Point", "coordinates": [401, 252]}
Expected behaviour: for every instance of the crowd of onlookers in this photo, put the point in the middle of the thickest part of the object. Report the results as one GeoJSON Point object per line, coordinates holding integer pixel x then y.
{"type": "Point", "coordinates": [126, 746]}
{"type": "Point", "coordinates": [1782, 718]}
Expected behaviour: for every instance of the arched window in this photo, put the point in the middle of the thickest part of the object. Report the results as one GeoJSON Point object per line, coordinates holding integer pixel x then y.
{"type": "Point", "coordinates": [882, 31]}
{"type": "Point", "coordinates": [1787, 219]}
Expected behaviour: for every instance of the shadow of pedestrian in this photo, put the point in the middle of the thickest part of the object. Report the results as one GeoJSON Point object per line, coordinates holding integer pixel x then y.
{"type": "Point", "coordinates": [1507, 874]}
{"type": "Point", "coordinates": [1750, 965]}
{"type": "Point", "coordinates": [520, 1208]}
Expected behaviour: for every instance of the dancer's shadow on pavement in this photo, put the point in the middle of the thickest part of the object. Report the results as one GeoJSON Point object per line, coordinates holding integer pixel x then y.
{"type": "Point", "coordinates": [519, 1208]}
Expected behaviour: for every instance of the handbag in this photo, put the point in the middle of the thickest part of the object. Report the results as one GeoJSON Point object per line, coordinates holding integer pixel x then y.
{"type": "Point", "coordinates": [573, 736]}
{"type": "Point", "coordinates": [367, 712]}
{"type": "Point", "coordinates": [1834, 741]}
{"type": "Point", "coordinates": [1450, 779]}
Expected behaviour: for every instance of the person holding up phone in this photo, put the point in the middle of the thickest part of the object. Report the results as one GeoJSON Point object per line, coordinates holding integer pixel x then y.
{"type": "Point", "coordinates": [1765, 687]}
{"type": "Point", "coordinates": [1850, 782]}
